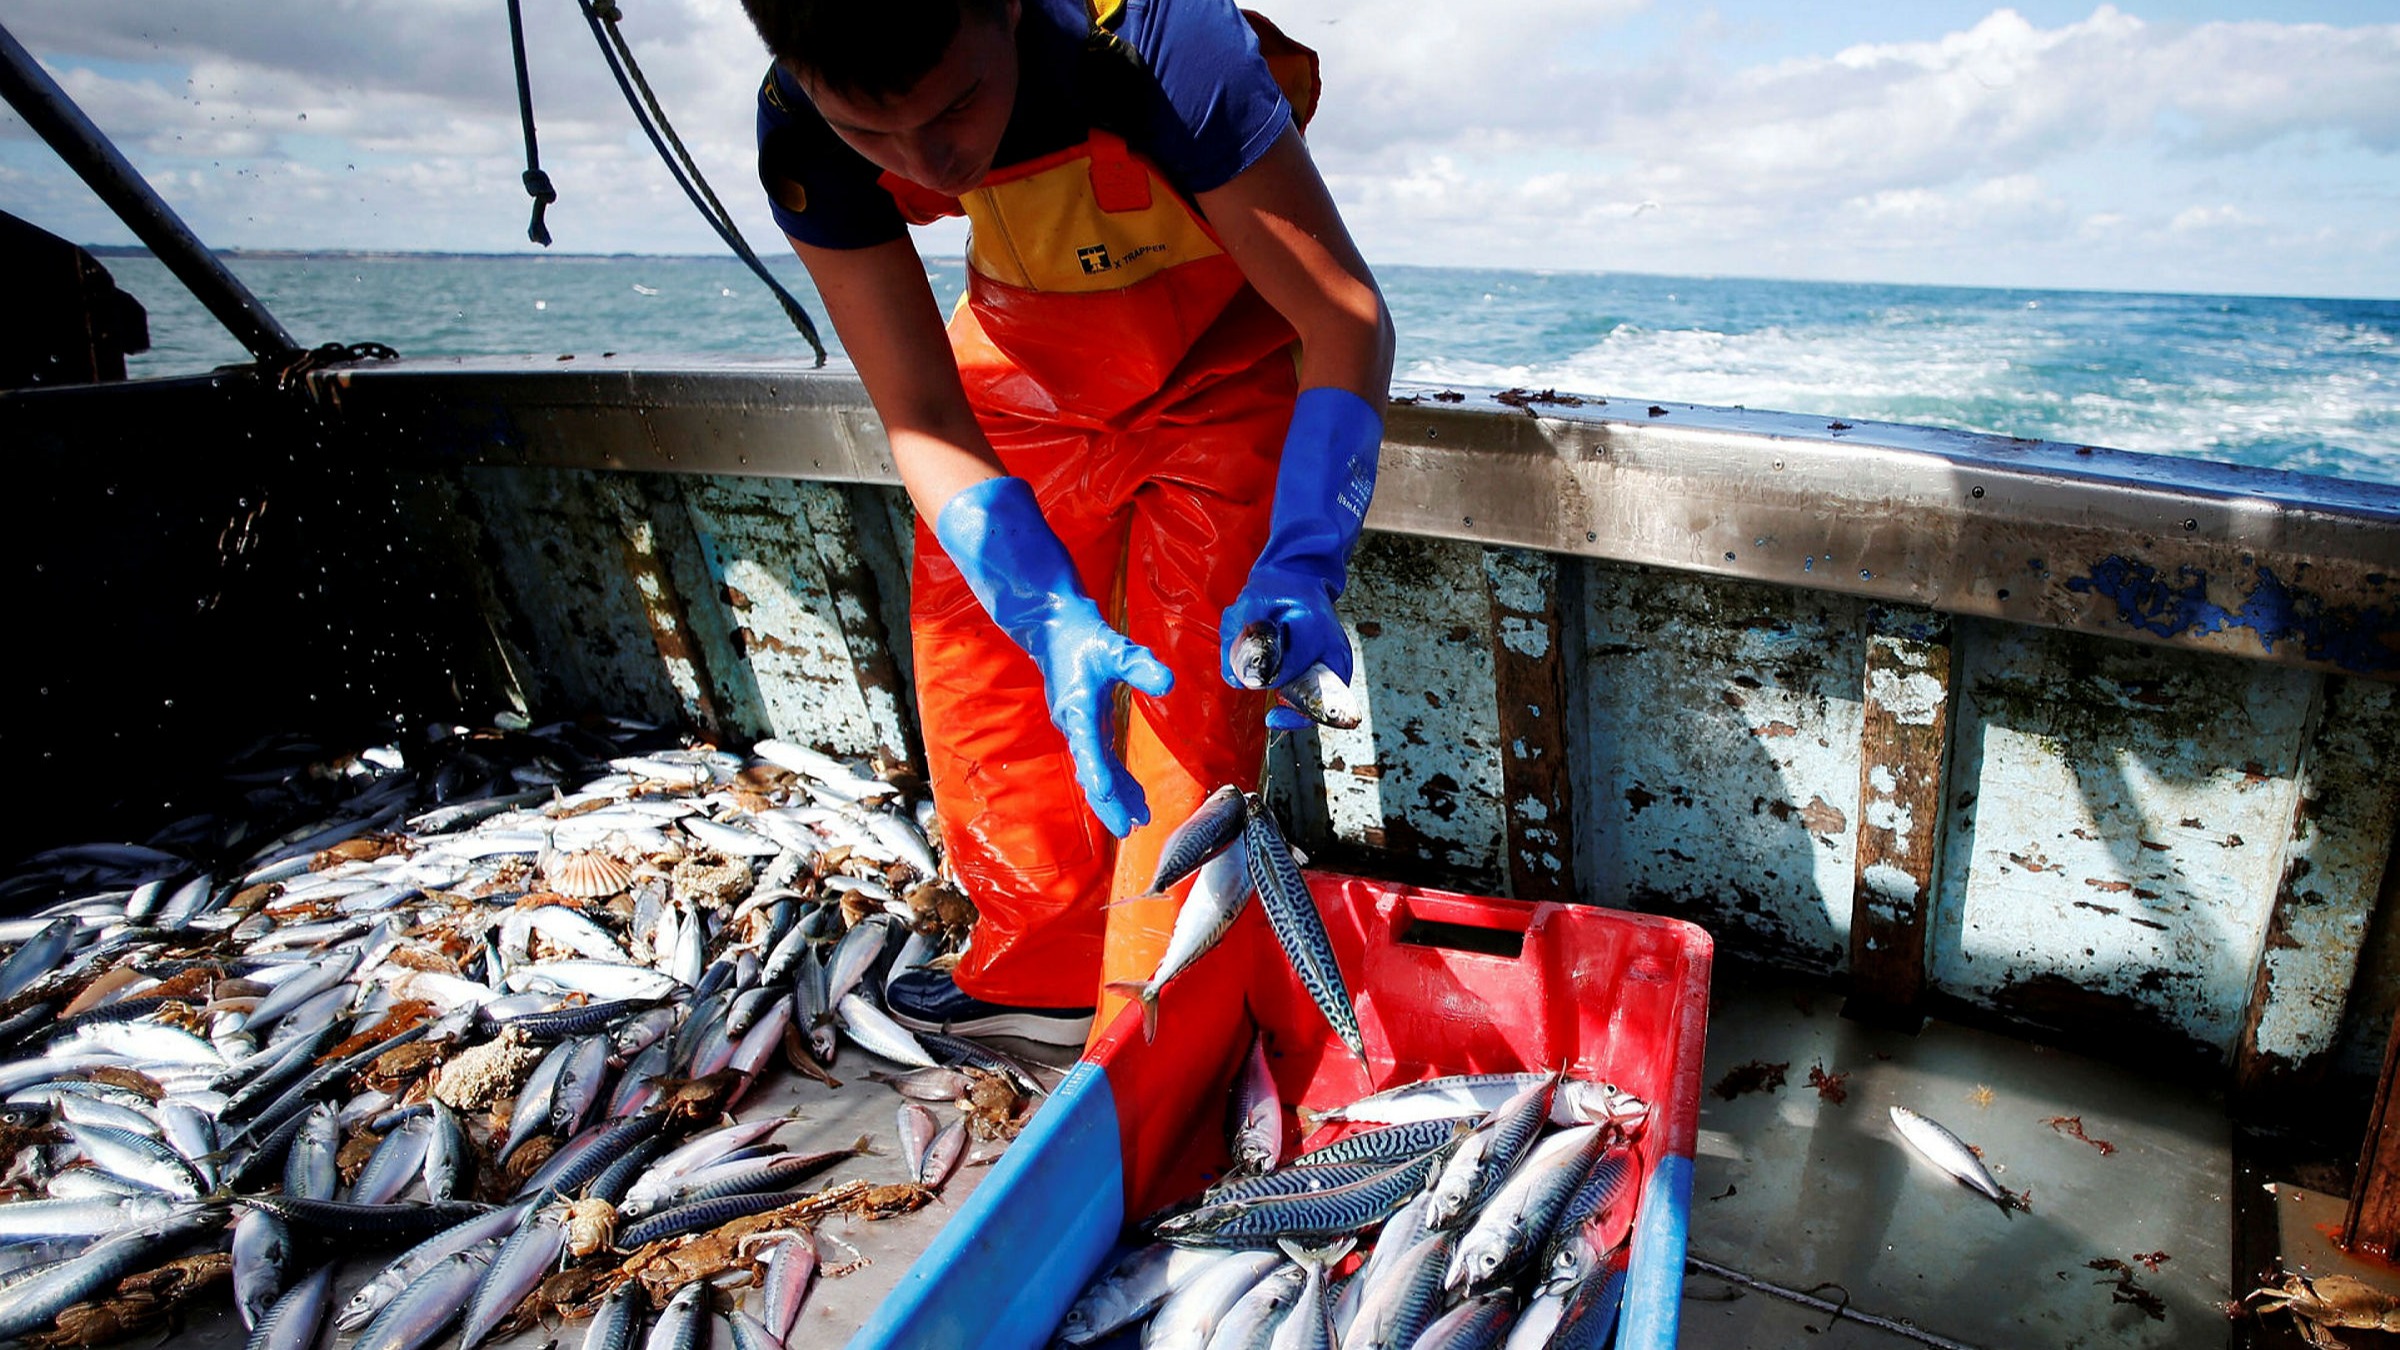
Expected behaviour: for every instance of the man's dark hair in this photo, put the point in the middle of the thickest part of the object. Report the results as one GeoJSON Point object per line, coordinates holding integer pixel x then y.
{"type": "Point", "coordinates": [874, 49]}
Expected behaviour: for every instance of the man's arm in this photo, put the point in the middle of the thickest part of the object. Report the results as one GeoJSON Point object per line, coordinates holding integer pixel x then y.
{"type": "Point", "coordinates": [881, 305]}
{"type": "Point", "coordinates": [986, 521]}
{"type": "Point", "coordinates": [1281, 226]}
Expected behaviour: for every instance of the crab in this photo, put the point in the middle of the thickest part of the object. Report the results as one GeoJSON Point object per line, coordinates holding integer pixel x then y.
{"type": "Point", "coordinates": [2320, 1305]}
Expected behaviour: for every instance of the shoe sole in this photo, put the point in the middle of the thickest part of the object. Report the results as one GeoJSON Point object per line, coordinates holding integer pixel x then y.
{"type": "Point", "coordinates": [1024, 1026]}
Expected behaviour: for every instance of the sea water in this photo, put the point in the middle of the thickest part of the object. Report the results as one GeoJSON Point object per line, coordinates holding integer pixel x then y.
{"type": "Point", "coordinates": [2307, 385]}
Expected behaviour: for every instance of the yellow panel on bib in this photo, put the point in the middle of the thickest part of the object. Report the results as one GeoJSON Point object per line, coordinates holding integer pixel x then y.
{"type": "Point", "coordinates": [1044, 232]}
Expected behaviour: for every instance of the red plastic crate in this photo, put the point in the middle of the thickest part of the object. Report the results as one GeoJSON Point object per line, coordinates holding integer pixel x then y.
{"type": "Point", "coordinates": [1443, 984]}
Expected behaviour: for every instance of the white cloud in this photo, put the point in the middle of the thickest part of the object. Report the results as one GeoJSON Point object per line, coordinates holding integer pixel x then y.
{"type": "Point", "coordinates": [2110, 150]}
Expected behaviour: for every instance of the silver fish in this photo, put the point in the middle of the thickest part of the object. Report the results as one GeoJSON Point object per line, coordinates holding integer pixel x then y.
{"type": "Point", "coordinates": [683, 1323]}
{"type": "Point", "coordinates": [1207, 913]}
{"type": "Point", "coordinates": [1257, 655]}
{"type": "Point", "coordinates": [1133, 1288]}
{"type": "Point", "coordinates": [36, 1300]}
{"type": "Point", "coordinates": [1250, 1324]}
{"type": "Point", "coordinates": [293, 1321]}
{"type": "Point", "coordinates": [377, 1293]}
{"type": "Point", "coordinates": [879, 1035]}
{"type": "Point", "coordinates": [1309, 1325]}
{"type": "Point", "coordinates": [262, 1256]}
{"type": "Point", "coordinates": [138, 1158]}
{"type": "Point", "coordinates": [1489, 1155]}
{"type": "Point", "coordinates": [917, 1129]}
{"type": "Point", "coordinates": [791, 1269]}
{"type": "Point", "coordinates": [1191, 1314]}
{"type": "Point", "coordinates": [942, 1154]}
{"type": "Point", "coordinates": [1211, 827]}
{"type": "Point", "coordinates": [1521, 1212]}
{"type": "Point", "coordinates": [1323, 698]}
{"type": "Point", "coordinates": [1403, 1295]}
{"type": "Point", "coordinates": [394, 1163]}
{"type": "Point", "coordinates": [425, 1309]}
{"type": "Point", "coordinates": [1258, 1112]}
{"type": "Point", "coordinates": [523, 1259]}
{"type": "Point", "coordinates": [1950, 1153]}
{"type": "Point", "coordinates": [1479, 1322]}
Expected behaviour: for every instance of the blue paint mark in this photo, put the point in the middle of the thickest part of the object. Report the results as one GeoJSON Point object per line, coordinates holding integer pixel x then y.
{"type": "Point", "coordinates": [2363, 639]}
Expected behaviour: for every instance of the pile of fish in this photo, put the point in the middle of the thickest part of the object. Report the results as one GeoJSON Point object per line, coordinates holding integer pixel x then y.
{"type": "Point", "coordinates": [1482, 1210]}
{"type": "Point", "coordinates": [479, 1014]}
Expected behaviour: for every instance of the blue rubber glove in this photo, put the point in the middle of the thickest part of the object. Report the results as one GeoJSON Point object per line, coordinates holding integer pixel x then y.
{"type": "Point", "coordinates": [1022, 575]}
{"type": "Point", "coordinates": [1321, 494]}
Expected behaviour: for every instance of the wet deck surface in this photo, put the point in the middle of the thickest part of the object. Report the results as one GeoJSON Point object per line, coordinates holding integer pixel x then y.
{"type": "Point", "coordinates": [1804, 1192]}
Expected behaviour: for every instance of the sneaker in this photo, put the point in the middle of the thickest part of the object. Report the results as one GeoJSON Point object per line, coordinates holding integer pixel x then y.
{"type": "Point", "coordinates": [929, 1000]}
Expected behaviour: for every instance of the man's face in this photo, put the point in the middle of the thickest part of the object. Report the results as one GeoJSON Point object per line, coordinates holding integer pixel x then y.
{"type": "Point", "coordinates": [942, 133]}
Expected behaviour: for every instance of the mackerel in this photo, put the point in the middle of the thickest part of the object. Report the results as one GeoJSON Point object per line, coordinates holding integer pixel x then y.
{"type": "Point", "coordinates": [423, 1312]}
{"type": "Point", "coordinates": [1391, 1143]}
{"type": "Point", "coordinates": [1477, 1324]}
{"type": "Point", "coordinates": [701, 1214]}
{"type": "Point", "coordinates": [1258, 1112]}
{"type": "Point", "coordinates": [1521, 1212]}
{"type": "Point", "coordinates": [388, 1282]}
{"type": "Point", "coordinates": [874, 1030]}
{"type": "Point", "coordinates": [1133, 1288]}
{"type": "Point", "coordinates": [619, 1319]}
{"type": "Point", "coordinates": [1951, 1154]}
{"type": "Point", "coordinates": [683, 1323]}
{"type": "Point", "coordinates": [1309, 1326]}
{"type": "Point", "coordinates": [1402, 1297]}
{"type": "Point", "coordinates": [1292, 912]}
{"type": "Point", "coordinates": [1340, 1212]}
{"type": "Point", "coordinates": [523, 1259]}
{"type": "Point", "coordinates": [293, 1321]}
{"type": "Point", "coordinates": [309, 1170]}
{"type": "Point", "coordinates": [791, 1269]}
{"type": "Point", "coordinates": [1568, 1255]}
{"type": "Point", "coordinates": [1190, 1315]}
{"type": "Point", "coordinates": [1490, 1155]}
{"type": "Point", "coordinates": [1216, 899]}
{"type": "Point", "coordinates": [262, 1258]}
{"type": "Point", "coordinates": [37, 1299]}
{"type": "Point", "coordinates": [1212, 827]}
{"type": "Point", "coordinates": [138, 1158]}
{"type": "Point", "coordinates": [394, 1163]}
{"type": "Point", "coordinates": [1250, 1324]}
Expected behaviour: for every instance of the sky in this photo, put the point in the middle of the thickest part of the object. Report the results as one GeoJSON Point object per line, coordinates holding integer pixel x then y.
{"type": "Point", "coordinates": [2241, 146]}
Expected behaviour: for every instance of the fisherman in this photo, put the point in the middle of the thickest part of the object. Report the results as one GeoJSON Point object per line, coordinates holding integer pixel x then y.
{"type": "Point", "coordinates": [1152, 421]}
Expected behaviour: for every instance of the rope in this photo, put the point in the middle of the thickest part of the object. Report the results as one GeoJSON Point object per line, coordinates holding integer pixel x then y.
{"type": "Point", "coordinates": [603, 16]}
{"type": "Point", "coordinates": [537, 183]}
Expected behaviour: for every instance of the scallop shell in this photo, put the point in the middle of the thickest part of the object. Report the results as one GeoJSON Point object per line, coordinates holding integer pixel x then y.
{"type": "Point", "coordinates": [589, 876]}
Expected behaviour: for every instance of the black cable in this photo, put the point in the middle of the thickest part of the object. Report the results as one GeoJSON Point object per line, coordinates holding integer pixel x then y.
{"type": "Point", "coordinates": [603, 17]}
{"type": "Point", "coordinates": [537, 183]}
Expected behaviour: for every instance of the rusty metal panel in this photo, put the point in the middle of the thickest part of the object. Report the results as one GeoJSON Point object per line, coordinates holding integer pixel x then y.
{"type": "Point", "coordinates": [647, 535]}
{"type": "Point", "coordinates": [1719, 774]}
{"type": "Point", "coordinates": [1419, 779]}
{"type": "Point", "coordinates": [1528, 674]}
{"type": "Point", "coordinates": [1903, 750]}
{"type": "Point", "coordinates": [763, 562]}
{"type": "Point", "coordinates": [850, 579]}
{"type": "Point", "coordinates": [2115, 832]}
{"type": "Point", "coordinates": [2278, 567]}
{"type": "Point", "coordinates": [2333, 863]}
{"type": "Point", "coordinates": [558, 554]}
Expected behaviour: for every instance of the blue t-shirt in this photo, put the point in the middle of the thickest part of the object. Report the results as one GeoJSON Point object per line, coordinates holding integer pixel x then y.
{"type": "Point", "coordinates": [1211, 111]}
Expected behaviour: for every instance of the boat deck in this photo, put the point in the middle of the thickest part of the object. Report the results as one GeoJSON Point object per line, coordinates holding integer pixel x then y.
{"type": "Point", "coordinates": [1812, 1194]}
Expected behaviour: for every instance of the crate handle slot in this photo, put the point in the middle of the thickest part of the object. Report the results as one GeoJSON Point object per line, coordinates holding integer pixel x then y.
{"type": "Point", "coordinates": [1462, 937]}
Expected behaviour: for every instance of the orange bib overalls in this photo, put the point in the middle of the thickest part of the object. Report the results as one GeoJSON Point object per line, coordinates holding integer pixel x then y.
{"type": "Point", "coordinates": [1119, 362]}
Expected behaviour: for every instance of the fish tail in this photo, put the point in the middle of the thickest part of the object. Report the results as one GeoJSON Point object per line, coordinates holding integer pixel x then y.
{"type": "Point", "coordinates": [1327, 1255]}
{"type": "Point", "coordinates": [864, 1145]}
{"type": "Point", "coordinates": [1145, 993]}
